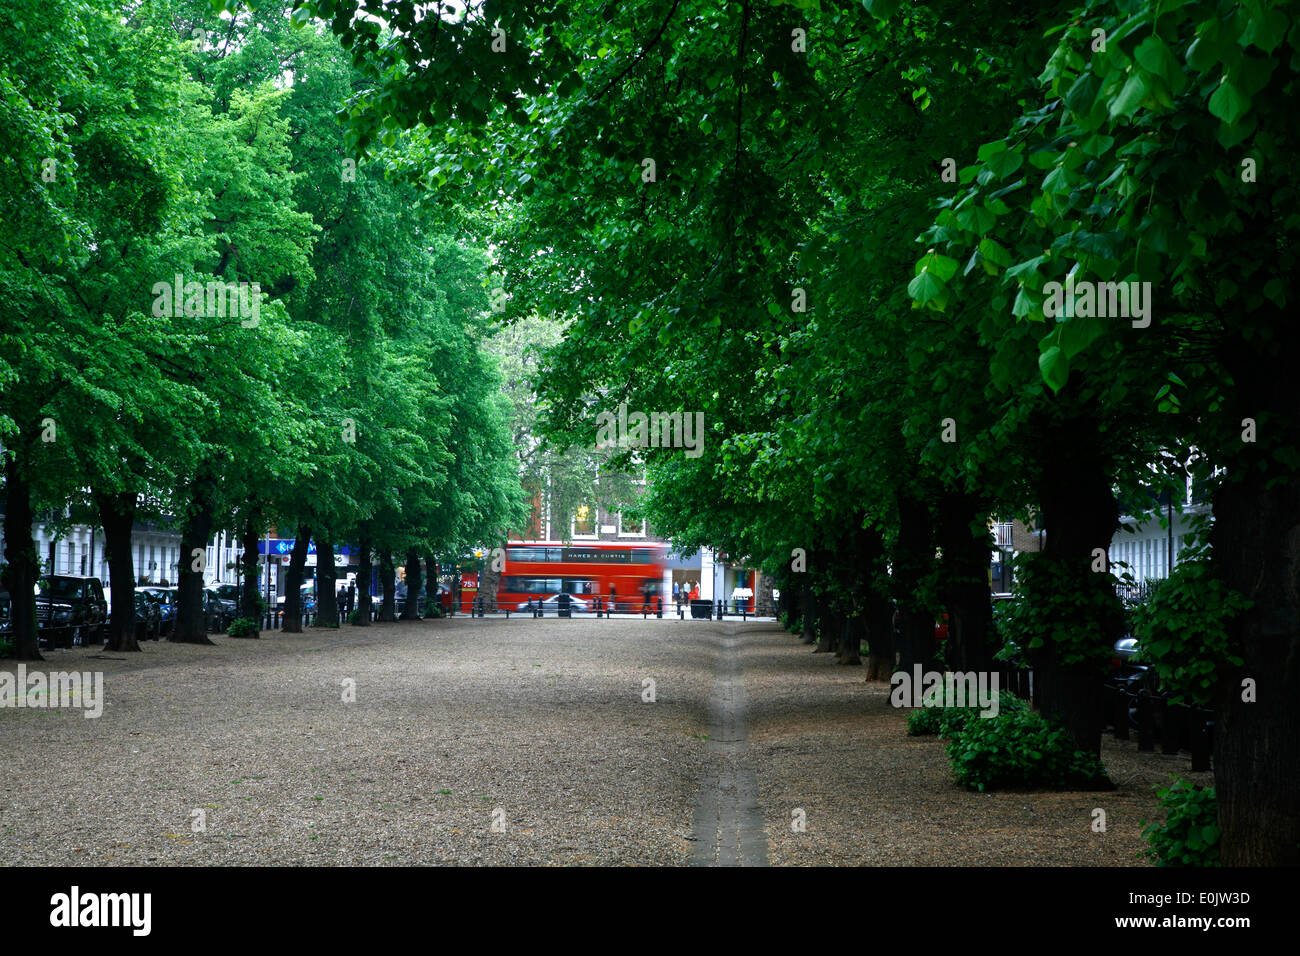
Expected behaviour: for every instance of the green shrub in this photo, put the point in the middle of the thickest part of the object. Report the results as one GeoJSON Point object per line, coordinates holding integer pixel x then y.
{"type": "Point", "coordinates": [242, 627]}
{"type": "Point", "coordinates": [1019, 749]}
{"type": "Point", "coordinates": [1190, 834]}
{"type": "Point", "coordinates": [6, 646]}
{"type": "Point", "coordinates": [1182, 629]}
{"type": "Point", "coordinates": [938, 720]}
{"type": "Point", "coordinates": [950, 719]}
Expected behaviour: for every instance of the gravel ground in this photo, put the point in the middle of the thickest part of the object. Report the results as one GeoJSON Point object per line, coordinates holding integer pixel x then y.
{"type": "Point", "coordinates": [544, 721]}
{"type": "Point", "coordinates": [452, 720]}
{"type": "Point", "coordinates": [826, 741]}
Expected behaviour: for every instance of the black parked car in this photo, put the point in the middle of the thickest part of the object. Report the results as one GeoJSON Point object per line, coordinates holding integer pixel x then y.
{"type": "Point", "coordinates": [229, 593]}
{"type": "Point", "coordinates": [217, 614]}
{"type": "Point", "coordinates": [70, 610]}
{"type": "Point", "coordinates": [165, 598]}
{"type": "Point", "coordinates": [148, 617]}
{"type": "Point", "coordinates": [218, 610]}
{"type": "Point", "coordinates": [1128, 675]}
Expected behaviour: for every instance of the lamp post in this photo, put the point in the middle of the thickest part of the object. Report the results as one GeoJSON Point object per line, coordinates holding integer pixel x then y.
{"type": "Point", "coordinates": [478, 565]}
{"type": "Point", "coordinates": [268, 569]}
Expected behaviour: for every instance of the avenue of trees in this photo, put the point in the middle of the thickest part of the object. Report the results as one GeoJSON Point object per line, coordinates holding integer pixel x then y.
{"type": "Point", "coordinates": [346, 396]}
{"type": "Point", "coordinates": [831, 227]}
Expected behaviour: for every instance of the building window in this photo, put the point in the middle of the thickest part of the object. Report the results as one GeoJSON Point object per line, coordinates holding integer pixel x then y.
{"type": "Point", "coordinates": [584, 522]}
{"type": "Point", "coordinates": [629, 527]}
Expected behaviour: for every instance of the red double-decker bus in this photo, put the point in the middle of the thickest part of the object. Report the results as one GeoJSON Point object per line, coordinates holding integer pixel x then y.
{"type": "Point", "coordinates": [630, 574]}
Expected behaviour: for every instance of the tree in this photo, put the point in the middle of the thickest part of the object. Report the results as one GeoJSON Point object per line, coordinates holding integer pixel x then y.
{"type": "Point", "coordinates": [1153, 119]}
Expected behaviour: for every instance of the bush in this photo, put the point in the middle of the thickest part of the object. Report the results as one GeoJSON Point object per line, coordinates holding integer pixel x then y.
{"type": "Point", "coordinates": [242, 627]}
{"type": "Point", "coordinates": [1019, 749]}
{"type": "Point", "coordinates": [1182, 630]}
{"type": "Point", "coordinates": [6, 646]}
{"type": "Point", "coordinates": [950, 719]}
{"type": "Point", "coordinates": [937, 720]}
{"type": "Point", "coordinates": [1190, 834]}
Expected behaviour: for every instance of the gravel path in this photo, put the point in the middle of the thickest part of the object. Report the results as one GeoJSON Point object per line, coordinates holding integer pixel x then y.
{"type": "Point", "coordinates": [515, 742]}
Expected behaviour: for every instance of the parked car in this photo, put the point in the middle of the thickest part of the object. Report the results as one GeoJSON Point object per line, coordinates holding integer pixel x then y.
{"type": "Point", "coordinates": [230, 594]}
{"type": "Point", "coordinates": [219, 611]}
{"type": "Point", "coordinates": [399, 603]}
{"type": "Point", "coordinates": [217, 614]}
{"type": "Point", "coordinates": [70, 610]}
{"type": "Point", "coordinates": [308, 598]}
{"type": "Point", "coordinates": [166, 600]}
{"type": "Point", "coordinates": [1128, 674]}
{"type": "Point", "coordinates": [147, 617]}
{"type": "Point", "coordinates": [552, 605]}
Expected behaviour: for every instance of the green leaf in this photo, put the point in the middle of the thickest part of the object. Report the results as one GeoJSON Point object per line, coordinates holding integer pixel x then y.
{"type": "Point", "coordinates": [1157, 58]}
{"type": "Point", "coordinates": [992, 251]}
{"type": "Point", "coordinates": [926, 287]}
{"type": "Point", "coordinates": [1057, 181]}
{"type": "Point", "coordinates": [881, 9]}
{"type": "Point", "coordinates": [1228, 102]}
{"type": "Point", "coordinates": [1083, 93]}
{"type": "Point", "coordinates": [1004, 163]}
{"type": "Point", "coordinates": [1026, 267]}
{"type": "Point", "coordinates": [1077, 333]}
{"type": "Point", "coordinates": [1130, 97]}
{"type": "Point", "coordinates": [1054, 367]}
{"type": "Point", "coordinates": [945, 267]}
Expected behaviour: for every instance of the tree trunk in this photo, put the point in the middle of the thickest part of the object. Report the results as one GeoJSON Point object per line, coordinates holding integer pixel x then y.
{"type": "Point", "coordinates": [364, 572]}
{"type": "Point", "coordinates": [880, 637]}
{"type": "Point", "coordinates": [191, 623]}
{"type": "Point", "coordinates": [250, 593]}
{"type": "Point", "coordinates": [851, 641]}
{"type": "Point", "coordinates": [412, 612]}
{"type": "Point", "coordinates": [22, 567]}
{"type": "Point", "coordinates": [292, 623]}
{"type": "Point", "coordinates": [964, 541]}
{"type": "Point", "coordinates": [1080, 514]}
{"type": "Point", "coordinates": [791, 602]}
{"type": "Point", "coordinates": [877, 611]}
{"type": "Point", "coordinates": [117, 516]}
{"type": "Point", "coordinates": [809, 615]}
{"type": "Point", "coordinates": [327, 604]}
{"type": "Point", "coordinates": [388, 584]}
{"type": "Point", "coordinates": [1256, 545]}
{"type": "Point", "coordinates": [830, 626]}
{"type": "Point", "coordinates": [912, 561]}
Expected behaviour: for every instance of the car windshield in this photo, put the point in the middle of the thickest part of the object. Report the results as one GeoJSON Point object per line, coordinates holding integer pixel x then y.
{"type": "Point", "coordinates": [60, 588]}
